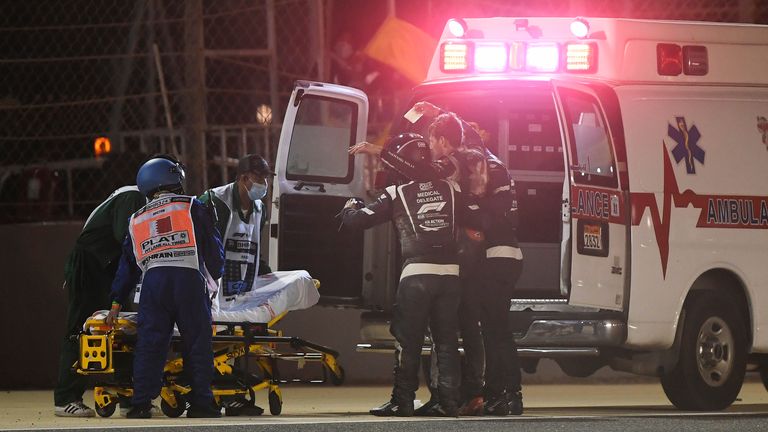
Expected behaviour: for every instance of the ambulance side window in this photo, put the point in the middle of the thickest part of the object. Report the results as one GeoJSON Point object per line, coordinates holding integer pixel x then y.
{"type": "Point", "coordinates": [323, 131]}
{"type": "Point", "coordinates": [592, 160]}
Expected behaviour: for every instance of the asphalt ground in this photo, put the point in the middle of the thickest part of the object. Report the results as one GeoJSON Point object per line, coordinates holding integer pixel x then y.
{"type": "Point", "coordinates": [319, 408]}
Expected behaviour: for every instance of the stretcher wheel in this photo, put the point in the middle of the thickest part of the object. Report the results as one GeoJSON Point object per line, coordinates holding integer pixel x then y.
{"type": "Point", "coordinates": [107, 410]}
{"type": "Point", "coordinates": [338, 380]}
{"type": "Point", "coordinates": [181, 406]}
{"type": "Point", "coordinates": [275, 403]}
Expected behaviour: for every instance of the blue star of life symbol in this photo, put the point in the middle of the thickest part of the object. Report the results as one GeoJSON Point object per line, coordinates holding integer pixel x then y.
{"type": "Point", "coordinates": [687, 144]}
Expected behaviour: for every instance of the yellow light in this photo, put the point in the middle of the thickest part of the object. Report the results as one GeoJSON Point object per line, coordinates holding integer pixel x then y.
{"type": "Point", "coordinates": [455, 57]}
{"type": "Point", "coordinates": [581, 57]}
{"type": "Point", "coordinates": [102, 146]}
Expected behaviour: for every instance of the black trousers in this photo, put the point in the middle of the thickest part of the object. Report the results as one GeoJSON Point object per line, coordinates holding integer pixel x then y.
{"type": "Point", "coordinates": [502, 365]}
{"type": "Point", "coordinates": [88, 288]}
{"type": "Point", "coordinates": [426, 301]}
{"type": "Point", "coordinates": [490, 364]}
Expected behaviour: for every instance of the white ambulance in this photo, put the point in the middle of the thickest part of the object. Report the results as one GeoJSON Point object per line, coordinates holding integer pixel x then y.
{"type": "Point", "coordinates": [639, 151]}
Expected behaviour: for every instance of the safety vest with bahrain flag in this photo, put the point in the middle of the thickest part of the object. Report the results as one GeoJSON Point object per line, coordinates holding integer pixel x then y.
{"type": "Point", "coordinates": [164, 235]}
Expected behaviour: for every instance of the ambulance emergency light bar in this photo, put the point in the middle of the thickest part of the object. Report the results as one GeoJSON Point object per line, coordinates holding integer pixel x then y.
{"type": "Point", "coordinates": [497, 57]}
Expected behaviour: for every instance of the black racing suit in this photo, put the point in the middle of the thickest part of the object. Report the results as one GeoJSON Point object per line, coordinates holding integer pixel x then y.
{"type": "Point", "coordinates": [488, 273]}
{"type": "Point", "coordinates": [425, 217]}
{"type": "Point", "coordinates": [500, 271]}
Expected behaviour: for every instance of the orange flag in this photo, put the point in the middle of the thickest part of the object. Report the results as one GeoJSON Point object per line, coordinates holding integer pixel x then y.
{"type": "Point", "coordinates": [403, 46]}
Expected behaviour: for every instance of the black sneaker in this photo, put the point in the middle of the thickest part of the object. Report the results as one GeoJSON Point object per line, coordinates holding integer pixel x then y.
{"type": "Point", "coordinates": [496, 405]}
{"type": "Point", "coordinates": [139, 412]}
{"type": "Point", "coordinates": [205, 411]}
{"type": "Point", "coordinates": [392, 409]}
{"type": "Point", "coordinates": [515, 403]}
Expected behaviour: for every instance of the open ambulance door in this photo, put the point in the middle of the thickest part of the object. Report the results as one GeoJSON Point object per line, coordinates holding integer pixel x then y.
{"type": "Point", "coordinates": [594, 247]}
{"type": "Point", "coordinates": [315, 177]}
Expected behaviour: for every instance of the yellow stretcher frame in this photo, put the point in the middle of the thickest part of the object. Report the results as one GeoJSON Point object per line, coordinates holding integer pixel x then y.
{"type": "Point", "coordinates": [239, 340]}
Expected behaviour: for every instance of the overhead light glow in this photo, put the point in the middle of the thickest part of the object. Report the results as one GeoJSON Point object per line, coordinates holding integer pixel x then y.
{"type": "Point", "coordinates": [457, 27]}
{"type": "Point", "coordinates": [542, 57]}
{"type": "Point", "coordinates": [580, 28]}
{"type": "Point", "coordinates": [490, 57]}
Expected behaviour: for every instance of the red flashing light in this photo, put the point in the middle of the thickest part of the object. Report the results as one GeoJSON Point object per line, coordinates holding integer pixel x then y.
{"type": "Point", "coordinates": [669, 59]}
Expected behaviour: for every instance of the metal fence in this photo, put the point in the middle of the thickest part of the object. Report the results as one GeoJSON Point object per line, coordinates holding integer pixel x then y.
{"type": "Point", "coordinates": [204, 79]}
{"type": "Point", "coordinates": [201, 79]}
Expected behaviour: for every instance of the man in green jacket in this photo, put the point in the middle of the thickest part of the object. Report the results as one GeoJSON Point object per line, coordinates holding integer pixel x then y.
{"type": "Point", "coordinates": [88, 278]}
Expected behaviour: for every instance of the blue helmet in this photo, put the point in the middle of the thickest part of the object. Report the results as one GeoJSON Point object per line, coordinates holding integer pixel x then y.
{"type": "Point", "coordinates": [160, 174]}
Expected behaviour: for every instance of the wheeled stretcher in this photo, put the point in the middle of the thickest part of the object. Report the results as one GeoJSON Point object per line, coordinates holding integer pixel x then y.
{"type": "Point", "coordinates": [108, 354]}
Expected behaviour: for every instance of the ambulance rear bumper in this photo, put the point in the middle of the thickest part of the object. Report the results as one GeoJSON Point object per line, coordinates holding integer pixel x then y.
{"type": "Point", "coordinates": [543, 338]}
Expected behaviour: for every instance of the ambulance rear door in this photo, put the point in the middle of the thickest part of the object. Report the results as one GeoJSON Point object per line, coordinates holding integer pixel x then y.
{"type": "Point", "coordinates": [315, 177]}
{"type": "Point", "coordinates": [595, 219]}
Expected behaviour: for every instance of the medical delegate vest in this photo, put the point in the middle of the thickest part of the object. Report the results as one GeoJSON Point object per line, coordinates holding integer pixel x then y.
{"type": "Point", "coordinates": [241, 245]}
{"type": "Point", "coordinates": [163, 234]}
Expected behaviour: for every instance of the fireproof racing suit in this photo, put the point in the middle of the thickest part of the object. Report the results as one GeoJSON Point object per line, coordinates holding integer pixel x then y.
{"type": "Point", "coordinates": [425, 217]}
{"type": "Point", "coordinates": [491, 263]}
{"type": "Point", "coordinates": [500, 271]}
{"type": "Point", "coordinates": [169, 241]}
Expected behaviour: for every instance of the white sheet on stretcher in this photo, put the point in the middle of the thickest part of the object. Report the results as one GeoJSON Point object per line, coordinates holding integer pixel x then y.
{"type": "Point", "coordinates": [273, 294]}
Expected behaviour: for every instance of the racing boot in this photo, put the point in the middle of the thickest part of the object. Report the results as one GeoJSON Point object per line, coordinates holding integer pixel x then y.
{"type": "Point", "coordinates": [515, 403]}
{"type": "Point", "coordinates": [496, 405]}
{"type": "Point", "coordinates": [393, 409]}
{"type": "Point", "coordinates": [428, 409]}
{"type": "Point", "coordinates": [473, 407]}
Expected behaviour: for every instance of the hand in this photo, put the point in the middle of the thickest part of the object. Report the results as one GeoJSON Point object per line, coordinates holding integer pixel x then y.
{"type": "Point", "coordinates": [365, 147]}
{"type": "Point", "coordinates": [111, 317]}
{"type": "Point", "coordinates": [354, 203]}
{"type": "Point", "coordinates": [427, 109]}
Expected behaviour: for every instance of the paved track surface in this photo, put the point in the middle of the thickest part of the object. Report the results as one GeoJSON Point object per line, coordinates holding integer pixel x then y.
{"type": "Point", "coordinates": [594, 408]}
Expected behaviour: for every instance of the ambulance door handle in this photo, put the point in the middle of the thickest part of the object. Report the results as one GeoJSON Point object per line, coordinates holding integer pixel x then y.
{"type": "Point", "coordinates": [302, 185]}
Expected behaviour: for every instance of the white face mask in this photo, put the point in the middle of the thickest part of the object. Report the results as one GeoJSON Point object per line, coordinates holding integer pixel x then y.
{"type": "Point", "coordinates": [258, 190]}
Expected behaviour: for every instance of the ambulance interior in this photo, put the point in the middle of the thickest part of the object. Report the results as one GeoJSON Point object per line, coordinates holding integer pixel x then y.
{"type": "Point", "coordinates": [520, 125]}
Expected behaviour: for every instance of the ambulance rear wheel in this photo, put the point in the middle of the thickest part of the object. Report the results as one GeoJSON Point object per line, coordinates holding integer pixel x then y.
{"type": "Point", "coordinates": [178, 410]}
{"type": "Point", "coordinates": [713, 355]}
{"type": "Point", "coordinates": [275, 403]}
{"type": "Point", "coordinates": [107, 410]}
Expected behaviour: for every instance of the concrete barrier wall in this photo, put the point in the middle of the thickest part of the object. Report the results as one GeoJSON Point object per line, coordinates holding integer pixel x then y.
{"type": "Point", "coordinates": [33, 312]}
{"type": "Point", "coordinates": [33, 307]}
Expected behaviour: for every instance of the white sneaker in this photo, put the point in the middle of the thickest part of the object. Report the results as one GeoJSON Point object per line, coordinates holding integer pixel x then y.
{"type": "Point", "coordinates": [155, 411]}
{"type": "Point", "coordinates": [74, 409]}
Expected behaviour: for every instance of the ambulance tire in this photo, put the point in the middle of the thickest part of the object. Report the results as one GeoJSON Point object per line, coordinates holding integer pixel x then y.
{"type": "Point", "coordinates": [708, 375]}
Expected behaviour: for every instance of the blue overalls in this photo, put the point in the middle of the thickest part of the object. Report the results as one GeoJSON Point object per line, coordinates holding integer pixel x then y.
{"type": "Point", "coordinates": [169, 241]}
